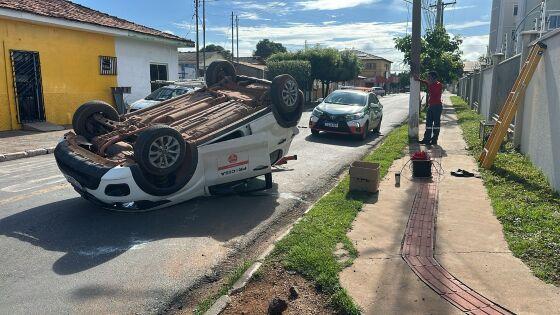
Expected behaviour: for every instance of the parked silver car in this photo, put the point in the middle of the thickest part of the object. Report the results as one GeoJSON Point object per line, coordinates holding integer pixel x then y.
{"type": "Point", "coordinates": [353, 112]}
{"type": "Point", "coordinates": [162, 94]}
{"type": "Point", "coordinates": [378, 91]}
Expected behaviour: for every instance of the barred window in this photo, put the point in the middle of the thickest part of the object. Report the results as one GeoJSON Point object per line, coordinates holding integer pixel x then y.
{"type": "Point", "coordinates": [107, 65]}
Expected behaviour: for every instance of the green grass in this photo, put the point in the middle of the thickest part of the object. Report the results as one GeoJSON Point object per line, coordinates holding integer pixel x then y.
{"type": "Point", "coordinates": [523, 201]}
{"type": "Point", "coordinates": [203, 306]}
{"type": "Point", "coordinates": [308, 249]}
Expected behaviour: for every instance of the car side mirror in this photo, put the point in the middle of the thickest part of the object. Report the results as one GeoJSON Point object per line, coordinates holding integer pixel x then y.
{"type": "Point", "coordinates": [320, 100]}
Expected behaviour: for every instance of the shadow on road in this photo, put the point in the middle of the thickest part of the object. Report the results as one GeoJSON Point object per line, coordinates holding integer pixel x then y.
{"type": "Point", "coordinates": [341, 140]}
{"type": "Point", "coordinates": [90, 236]}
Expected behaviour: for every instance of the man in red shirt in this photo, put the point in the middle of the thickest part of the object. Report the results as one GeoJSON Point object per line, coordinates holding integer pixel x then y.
{"type": "Point", "coordinates": [435, 107]}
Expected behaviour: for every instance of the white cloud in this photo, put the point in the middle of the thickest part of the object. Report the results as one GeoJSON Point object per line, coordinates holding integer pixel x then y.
{"type": "Point", "coordinates": [258, 5]}
{"type": "Point", "coordinates": [466, 25]}
{"type": "Point", "coordinates": [332, 4]}
{"type": "Point", "coordinates": [474, 46]}
{"type": "Point", "coordinates": [376, 38]}
{"type": "Point", "coordinates": [252, 16]}
{"type": "Point", "coordinates": [459, 7]}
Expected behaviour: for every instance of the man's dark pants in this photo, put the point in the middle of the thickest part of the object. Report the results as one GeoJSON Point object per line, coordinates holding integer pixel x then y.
{"type": "Point", "coordinates": [433, 123]}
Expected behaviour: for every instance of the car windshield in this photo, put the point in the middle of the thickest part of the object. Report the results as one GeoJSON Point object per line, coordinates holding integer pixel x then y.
{"type": "Point", "coordinates": [165, 93]}
{"type": "Point", "coordinates": [346, 98]}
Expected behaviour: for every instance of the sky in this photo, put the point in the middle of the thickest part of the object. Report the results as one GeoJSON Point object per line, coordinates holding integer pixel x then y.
{"type": "Point", "coordinates": [367, 25]}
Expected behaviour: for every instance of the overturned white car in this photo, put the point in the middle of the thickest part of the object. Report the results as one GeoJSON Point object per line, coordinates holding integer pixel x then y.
{"type": "Point", "coordinates": [190, 146]}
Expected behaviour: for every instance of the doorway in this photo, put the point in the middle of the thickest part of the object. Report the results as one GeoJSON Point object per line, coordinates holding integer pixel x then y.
{"type": "Point", "coordinates": [26, 69]}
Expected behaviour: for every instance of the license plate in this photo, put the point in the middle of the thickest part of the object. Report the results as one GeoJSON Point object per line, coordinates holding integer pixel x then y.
{"type": "Point", "coordinates": [331, 124]}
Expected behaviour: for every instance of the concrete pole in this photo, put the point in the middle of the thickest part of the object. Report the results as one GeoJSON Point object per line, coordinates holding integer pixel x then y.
{"type": "Point", "coordinates": [232, 38]}
{"type": "Point", "coordinates": [439, 14]}
{"type": "Point", "coordinates": [204, 34]}
{"type": "Point", "coordinates": [237, 33]}
{"type": "Point", "coordinates": [197, 68]}
{"type": "Point", "coordinates": [414, 100]}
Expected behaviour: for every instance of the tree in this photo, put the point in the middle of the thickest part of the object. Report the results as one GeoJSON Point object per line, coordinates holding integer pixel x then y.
{"type": "Point", "coordinates": [266, 48]}
{"type": "Point", "coordinates": [440, 53]}
{"type": "Point", "coordinates": [327, 64]}
{"type": "Point", "coordinates": [217, 48]}
{"type": "Point", "coordinates": [299, 69]}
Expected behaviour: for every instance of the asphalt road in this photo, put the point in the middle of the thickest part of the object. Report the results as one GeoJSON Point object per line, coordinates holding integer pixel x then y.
{"type": "Point", "coordinates": [61, 254]}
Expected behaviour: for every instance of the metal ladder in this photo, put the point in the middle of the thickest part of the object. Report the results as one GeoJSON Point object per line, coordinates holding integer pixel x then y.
{"type": "Point", "coordinates": [511, 105]}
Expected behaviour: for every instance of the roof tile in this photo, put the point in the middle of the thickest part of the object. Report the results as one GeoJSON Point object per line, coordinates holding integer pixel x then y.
{"type": "Point", "coordinates": [67, 10]}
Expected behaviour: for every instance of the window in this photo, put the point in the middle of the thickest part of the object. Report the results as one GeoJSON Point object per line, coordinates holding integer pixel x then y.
{"type": "Point", "coordinates": [158, 72]}
{"type": "Point", "coordinates": [515, 9]}
{"type": "Point", "coordinates": [369, 66]}
{"type": "Point", "coordinates": [553, 22]}
{"type": "Point", "coordinates": [107, 65]}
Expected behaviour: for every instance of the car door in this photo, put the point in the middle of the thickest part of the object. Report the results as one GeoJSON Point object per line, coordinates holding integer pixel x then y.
{"type": "Point", "coordinates": [376, 110]}
{"type": "Point", "coordinates": [371, 109]}
{"type": "Point", "coordinates": [235, 159]}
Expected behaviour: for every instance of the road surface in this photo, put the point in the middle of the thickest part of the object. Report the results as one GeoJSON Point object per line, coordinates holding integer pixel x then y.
{"type": "Point", "coordinates": [61, 254]}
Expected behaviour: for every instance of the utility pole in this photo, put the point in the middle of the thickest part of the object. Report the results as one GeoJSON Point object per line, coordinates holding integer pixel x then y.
{"type": "Point", "coordinates": [237, 32]}
{"type": "Point", "coordinates": [197, 68]}
{"type": "Point", "coordinates": [414, 99]}
{"type": "Point", "coordinates": [232, 38]}
{"type": "Point", "coordinates": [204, 35]}
{"type": "Point", "coordinates": [440, 8]}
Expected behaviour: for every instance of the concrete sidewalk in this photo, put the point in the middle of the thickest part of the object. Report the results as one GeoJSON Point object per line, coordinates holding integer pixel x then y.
{"type": "Point", "coordinates": [20, 143]}
{"type": "Point", "coordinates": [469, 244]}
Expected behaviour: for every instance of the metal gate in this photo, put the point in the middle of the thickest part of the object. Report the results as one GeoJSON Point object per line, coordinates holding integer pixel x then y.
{"type": "Point", "coordinates": [26, 70]}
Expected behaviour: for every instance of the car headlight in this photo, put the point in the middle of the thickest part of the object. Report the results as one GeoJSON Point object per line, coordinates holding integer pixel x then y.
{"type": "Point", "coordinates": [317, 112]}
{"type": "Point", "coordinates": [355, 116]}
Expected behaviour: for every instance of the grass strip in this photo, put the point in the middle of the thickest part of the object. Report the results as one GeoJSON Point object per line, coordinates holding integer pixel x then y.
{"type": "Point", "coordinates": [205, 305]}
{"type": "Point", "coordinates": [523, 201]}
{"type": "Point", "coordinates": [308, 248]}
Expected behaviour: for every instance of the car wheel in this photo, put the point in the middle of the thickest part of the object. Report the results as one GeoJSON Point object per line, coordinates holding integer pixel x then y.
{"type": "Point", "coordinates": [378, 128]}
{"type": "Point", "coordinates": [160, 150]}
{"type": "Point", "coordinates": [219, 70]}
{"type": "Point", "coordinates": [365, 131]}
{"type": "Point", "coordinates": [291, 118]}
{"type": "Point", "coordinates": [315, 132]}
{"type": "Point", "coordinates": [284, 92]}
{"type": "Point", "coordinates": [84, 123]}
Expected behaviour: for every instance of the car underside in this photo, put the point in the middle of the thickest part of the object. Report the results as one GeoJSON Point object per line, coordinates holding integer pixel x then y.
{"type": "Point", "coordinates": [234, 129]}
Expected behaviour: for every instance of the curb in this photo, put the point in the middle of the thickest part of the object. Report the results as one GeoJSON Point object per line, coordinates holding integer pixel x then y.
{"type": "Point", "coordinates": [221, 303]}
{"type": "Point", "coordinates": [25, 154]}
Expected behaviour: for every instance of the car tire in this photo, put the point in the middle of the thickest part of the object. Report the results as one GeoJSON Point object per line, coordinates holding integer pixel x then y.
{"type": "Point", "coordinates": [160, 150]}
{"type": "Point", "coordinates": [219, 70]}
{"type": "Point", "coordinates": [284, 92]}
{"type": "Point", "coordinates": [315, 132]}
{"type": "Point", "coordinates": [378, 128]}
{"type": "Point", "coordinates": [287, 113]}
{"type": "Point", "coordinates": [85, 125]}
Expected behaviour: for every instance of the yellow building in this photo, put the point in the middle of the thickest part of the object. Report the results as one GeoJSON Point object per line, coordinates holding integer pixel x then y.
{"type": "Point", "coordinates": [376, 69]}
{"type": "Point", "coordinates": [57, 55]}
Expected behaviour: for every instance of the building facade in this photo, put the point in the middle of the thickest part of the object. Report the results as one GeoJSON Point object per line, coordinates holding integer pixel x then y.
{"type": "Point", "coordinates": [57, 55]}
{"type": "Point", "coordinates": [512, 17]}
{"type": "Point", "coordinates": [376, 69]}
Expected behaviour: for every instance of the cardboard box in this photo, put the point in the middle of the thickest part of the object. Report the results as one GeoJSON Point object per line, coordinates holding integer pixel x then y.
{"type": "Point", "coordinates": [364, 176]}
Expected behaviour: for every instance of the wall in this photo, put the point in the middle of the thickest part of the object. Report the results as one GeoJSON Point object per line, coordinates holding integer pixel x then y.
{"type": "Point", "coordinates": [506, 73]}
{"type": "Point", "coordinates": [379, 69]}
{"type": "Point", "coordinates": [540, 138]}
{"type": "Point", "coordinates": [69, 68]}
{"type": "Point", "coordinates": [486, 92]}
{"type": "Point", "coordinates": [134, 58]}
